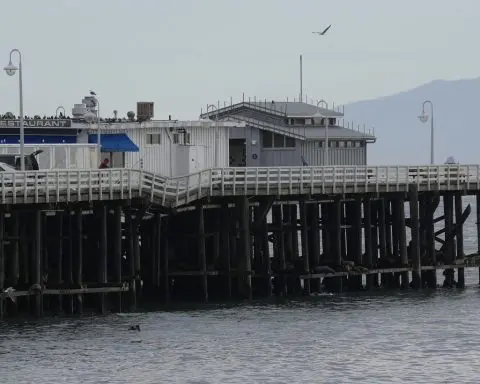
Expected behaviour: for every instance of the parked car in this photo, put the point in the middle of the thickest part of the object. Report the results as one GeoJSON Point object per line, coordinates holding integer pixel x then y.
{"type": "Point", "coordinates": [13, 160]}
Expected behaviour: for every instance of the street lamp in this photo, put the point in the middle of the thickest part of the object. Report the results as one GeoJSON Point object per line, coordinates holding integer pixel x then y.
{"type": "Point", "coordinates": [11, 70]}
{"type": "Point", "coordinates": [90, 118]}
{"type": "Point", "coordinates": [56, 111]}
{"type": "Point", "coordinates": [424, 118]}
{"type": "Point", "coordinates": [326, 161]}
{"type": "Point", "coordinates": [216, 132]}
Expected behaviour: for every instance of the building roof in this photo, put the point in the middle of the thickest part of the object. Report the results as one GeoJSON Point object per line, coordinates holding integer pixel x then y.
{"type": "Point", "coordinates": [264, 117]}
{"type": "Point", "coordinates": [299, 109]}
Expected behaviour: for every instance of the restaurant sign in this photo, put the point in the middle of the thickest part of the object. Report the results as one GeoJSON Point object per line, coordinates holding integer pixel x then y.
{"type": "Point", "coordinates": [40, 123]}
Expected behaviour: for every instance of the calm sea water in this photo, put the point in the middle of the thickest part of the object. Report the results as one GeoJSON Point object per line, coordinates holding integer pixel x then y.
{"type": "Point", "coordinates": [420, 337]}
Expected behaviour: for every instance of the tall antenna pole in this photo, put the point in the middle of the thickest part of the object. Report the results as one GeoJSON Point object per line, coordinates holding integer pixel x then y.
{"type": "Point", "coordinates": [301, 80]}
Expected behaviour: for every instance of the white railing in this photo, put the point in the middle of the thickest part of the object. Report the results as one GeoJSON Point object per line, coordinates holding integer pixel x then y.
{"type": "Point", "coordinates": [86, 185]}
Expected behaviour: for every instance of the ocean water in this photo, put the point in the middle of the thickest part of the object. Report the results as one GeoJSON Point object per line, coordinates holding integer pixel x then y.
{"type": "Point", "coordinates": [390, 337]}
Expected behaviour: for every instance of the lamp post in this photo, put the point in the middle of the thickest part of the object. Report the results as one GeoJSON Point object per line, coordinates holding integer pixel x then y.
{"type": "Point", "coordinates": [56, 111]}
{"type": "Point", "coordinates": [90, 117]}
{"type": "Point", "coordinates": [11, 69]}
{"type": "Point", "coordinates": [216, 132]}
{"type": "Point", "coordinates": [424, 118]}
{"type": "Point", "coordinates": [326, 160]}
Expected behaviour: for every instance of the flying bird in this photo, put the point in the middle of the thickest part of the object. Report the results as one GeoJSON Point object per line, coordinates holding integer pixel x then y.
{"type": "Point", "coordinates": [324, 31]}
{"type": "Point", "coordinates": [93, 93]}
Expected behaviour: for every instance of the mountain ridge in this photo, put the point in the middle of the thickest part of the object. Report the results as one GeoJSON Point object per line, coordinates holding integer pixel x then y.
{"type": "Point", "coordinates": [403, 139]}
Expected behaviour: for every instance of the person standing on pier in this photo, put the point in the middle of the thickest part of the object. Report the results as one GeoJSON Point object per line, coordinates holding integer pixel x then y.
{"type": "Point", "coordinates": [104, 164]}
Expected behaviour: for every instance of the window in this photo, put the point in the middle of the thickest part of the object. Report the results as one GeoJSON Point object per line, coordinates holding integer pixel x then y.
{"type": "Point", "coordinates": [341, 144]}
{"type": "Point", "coordinates": [278, 140]}
{"type": "Point", "coordinates": [176, 138]}
{"type": "Point", "coordinates": [274, 140]}
{"type": "Point", "coordinates": [318, 144]}
{"type": "Point", "coordinates": [357, 144]}
{"type": "Point", "coordinates": [349, 144]}
{"type": "Point", "coordinates": [289, 142]}
{"type": "Point", "coordinates": [187, 138]}
{"type": "Point", "coordinates": [154, 138]}
{"type": "Point", "coordinates": [267, 139]}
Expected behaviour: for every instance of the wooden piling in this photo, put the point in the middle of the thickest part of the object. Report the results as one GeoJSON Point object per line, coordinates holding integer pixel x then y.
{"type": "Point", "coordinates": [14, 274]}
{"type": "Point", "coordinates": [355, 282]}
{"type": "Point", "coordinates": [201, 252]}
{"type": "Point", "coordinates": [402, 239]}
{"type": "Point", "coordinates": [57, 255]}
{"type": "Point", "coordinates": [415, 231]}
{"type": "Point", "coordinates": [245, 266]}
{"type": "Point", "coordinates": [117, 255]}
{"type": "Point", "coordinates": [336, 245]}
{"type": "Point", "coordinates": [382, 240]}
{"type": "Point", "coordinates": [449, 246]}
{"type": "Point", "coordinates": [78, 253]}
{"type": "Point", "coordinates": [225, 248]}
{"type": "Point", "coordinates": [37, 264]}
{"type": "Point", "coordinates": [314, 243]}
{"type": "Point", "coordinates": [367, 220]}
{"type": "Point", "coordinates": [459, 235]}
{"type": "Point", "coordinates": [304, 243]}
{"type": "Point", "coordinates": [102, 256]}
{"type": "Point", "coordinates": [165, 256]}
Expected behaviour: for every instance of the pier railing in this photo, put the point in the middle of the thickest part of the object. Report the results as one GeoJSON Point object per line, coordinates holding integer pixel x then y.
{"type": "Point", "coordinates": [87, 185]}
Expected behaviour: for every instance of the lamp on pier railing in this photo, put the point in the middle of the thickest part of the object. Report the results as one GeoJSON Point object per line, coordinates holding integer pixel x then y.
{"type": "Point", "coordinates": [216, 131]}
{"type": "Point", "coordinates": [326, 160]}
{"type": "Point", "coordinates": [424, 118]}
{"type": "Point", "coordinates": [11, 70]}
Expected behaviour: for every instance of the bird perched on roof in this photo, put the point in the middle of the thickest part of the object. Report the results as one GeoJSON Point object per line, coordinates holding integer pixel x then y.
{"type": "Point", "coordinates": [324, 31]}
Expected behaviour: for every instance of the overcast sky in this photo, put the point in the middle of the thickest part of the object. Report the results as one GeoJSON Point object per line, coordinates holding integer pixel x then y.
{"type": "Point", "coordinates": [183, 54]}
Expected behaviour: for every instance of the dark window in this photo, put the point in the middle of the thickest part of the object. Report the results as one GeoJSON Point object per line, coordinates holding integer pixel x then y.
{"type": "Point", "coordinates": [278, 140]}
{"type": "Point", "coordinates": [267, 139]}
{"type": "Point", "coordinates": [289, 142]}
{"type": "Point", "coordinates": [176, 139]}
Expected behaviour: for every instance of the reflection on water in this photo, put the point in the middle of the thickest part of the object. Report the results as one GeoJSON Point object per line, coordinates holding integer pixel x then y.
{"type": "Point", "coordinates": [423, 337]}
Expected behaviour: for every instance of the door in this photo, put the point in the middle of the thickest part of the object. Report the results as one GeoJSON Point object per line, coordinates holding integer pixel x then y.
{"type": "Point", "coordinates": [238, 153]}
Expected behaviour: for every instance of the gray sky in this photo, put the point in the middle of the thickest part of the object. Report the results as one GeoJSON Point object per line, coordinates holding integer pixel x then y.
{"type": "Point", "coordinates": [183, 54]}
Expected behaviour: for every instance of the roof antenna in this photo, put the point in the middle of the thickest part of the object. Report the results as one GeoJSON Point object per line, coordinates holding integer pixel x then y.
{"type": "Point", "coordinates": [301, 80]}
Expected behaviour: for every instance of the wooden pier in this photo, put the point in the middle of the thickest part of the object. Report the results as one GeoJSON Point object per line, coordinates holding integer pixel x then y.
{"type": "Point", "coordinates": [110, 240]}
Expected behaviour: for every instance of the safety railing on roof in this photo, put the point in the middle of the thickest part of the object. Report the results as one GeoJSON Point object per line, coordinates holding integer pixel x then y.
{"type": "Point", "coordinates": [245, 104]}
{"type": "Point", "coordinates": [56, 186]}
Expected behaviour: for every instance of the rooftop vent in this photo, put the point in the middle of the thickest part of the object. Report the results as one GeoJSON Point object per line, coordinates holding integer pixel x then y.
{"type": "Point", "coordinates": [131, 115]}
{"type": "Point", "coordinates": [144, 110]}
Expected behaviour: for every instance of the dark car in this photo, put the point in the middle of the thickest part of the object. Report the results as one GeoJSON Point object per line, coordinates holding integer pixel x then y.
{"type": "Point", "coordinates": [31, 163]}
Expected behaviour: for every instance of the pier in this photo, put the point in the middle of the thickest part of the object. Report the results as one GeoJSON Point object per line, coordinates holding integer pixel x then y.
{"type": "Point", "coordinates": [111, 239]}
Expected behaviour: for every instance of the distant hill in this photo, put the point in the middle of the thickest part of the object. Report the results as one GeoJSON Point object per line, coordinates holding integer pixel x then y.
{"type": "Point", "coordinates": [403, 139]}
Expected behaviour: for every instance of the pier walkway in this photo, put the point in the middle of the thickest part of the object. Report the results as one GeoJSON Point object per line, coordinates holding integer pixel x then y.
{"type": "Point", "coordinates": [65, 186]}
{"type": "Point", "coordinates": [109, 238]}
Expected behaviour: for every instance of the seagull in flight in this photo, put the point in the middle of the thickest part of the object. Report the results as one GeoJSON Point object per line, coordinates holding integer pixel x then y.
{"type": "Point", "coordinates": [94, 94]}
{"type": "Point", "coordinates": [324, 31]}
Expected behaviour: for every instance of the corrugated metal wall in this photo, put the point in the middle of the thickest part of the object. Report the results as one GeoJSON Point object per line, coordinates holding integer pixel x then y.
{"type": "Point", "coordinates": [161, 158]}
{"type": "Point", "coordinates": [336, 156]}
{"type": "Point", "coordinates": [280, 157]}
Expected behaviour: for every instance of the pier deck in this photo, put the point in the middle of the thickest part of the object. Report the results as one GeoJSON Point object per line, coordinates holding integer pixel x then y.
{"type": "Point", "coordinates": [108, 239]}
{"type": "Point", "coordinates": [65, 186]}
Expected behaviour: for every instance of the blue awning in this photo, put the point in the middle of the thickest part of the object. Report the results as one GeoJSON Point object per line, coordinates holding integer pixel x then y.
{"type": "Point", "coordinates": [114, 142]}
